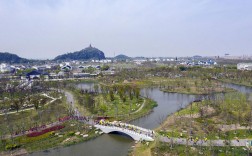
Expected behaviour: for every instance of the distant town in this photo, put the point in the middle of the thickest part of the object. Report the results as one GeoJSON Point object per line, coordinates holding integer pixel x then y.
{"type": "Point", "coordinates": [95, 67]}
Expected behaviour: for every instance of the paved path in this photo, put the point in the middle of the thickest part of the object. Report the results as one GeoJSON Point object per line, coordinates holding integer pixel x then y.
{"type": "Point", "coordinates": [182, 141]}
{"type": "Point", "coordinates": [70, 101]}
{"type": "Point", "coordinates": [140, 108]}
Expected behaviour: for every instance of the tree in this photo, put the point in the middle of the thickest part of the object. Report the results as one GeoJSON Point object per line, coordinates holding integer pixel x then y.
{"type": "Point", "coordinates": [111, 95]}
{"type": "Point", "coordinates": [43, 101]}
{"type": "Point", "coordinates": [16, 104]}
{"type": "Point", "coordinates": [103, 108]}
{"type": "Point", "coordinates": [130, 95]}
{"type": "Point", "coordinates": [105, 67]}
{"type": "Point", "coordinates": [96, 88]}
{"type": "Point", "coordinates": [136, 92]}
{"type": "Point", "coordinates": [35, 101]}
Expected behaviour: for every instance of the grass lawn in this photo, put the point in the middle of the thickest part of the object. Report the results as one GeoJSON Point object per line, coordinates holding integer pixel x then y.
{"type": "Point", "coordinates": [191, 109]}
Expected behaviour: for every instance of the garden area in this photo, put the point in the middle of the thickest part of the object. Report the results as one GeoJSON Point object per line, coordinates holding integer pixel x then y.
{"type": "Point", "coordinates": [64, 134]}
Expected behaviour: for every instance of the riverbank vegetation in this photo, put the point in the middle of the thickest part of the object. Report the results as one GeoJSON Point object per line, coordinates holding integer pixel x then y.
{"type": "Point", "coordinates": [225, 117]}
{"type": "Point", "coordinates": [116, 101]}
{"type": "Point", "coordinates": [185, 85]}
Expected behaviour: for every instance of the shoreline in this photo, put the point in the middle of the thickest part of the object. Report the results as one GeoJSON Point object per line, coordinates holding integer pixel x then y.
{"type": "Point", "coordinates": [235, 83]}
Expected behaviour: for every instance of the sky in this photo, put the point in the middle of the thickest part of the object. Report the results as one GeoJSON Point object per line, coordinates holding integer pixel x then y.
{"type": "Point", "coordinates": [43, 29]}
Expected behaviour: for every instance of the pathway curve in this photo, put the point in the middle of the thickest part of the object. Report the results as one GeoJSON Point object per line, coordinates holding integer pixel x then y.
{"type": "Point", "coordinates": [140, 108]}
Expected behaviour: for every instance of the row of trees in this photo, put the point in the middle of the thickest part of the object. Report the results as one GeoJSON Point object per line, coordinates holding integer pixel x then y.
{"type": "Point", "coordinates": [122, 90]}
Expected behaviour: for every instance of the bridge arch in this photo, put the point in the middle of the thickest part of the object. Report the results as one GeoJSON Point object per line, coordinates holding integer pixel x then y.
{"type": "Point", "coordinates": [133, 134]}
{"type": "Point", "coordinates": [121, 133]}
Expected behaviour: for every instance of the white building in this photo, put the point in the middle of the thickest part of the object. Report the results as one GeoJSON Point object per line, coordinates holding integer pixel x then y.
{"type": "Point", "coordinates": [244, 66]}
{"type": "Point", "coordinates": [4, 68]}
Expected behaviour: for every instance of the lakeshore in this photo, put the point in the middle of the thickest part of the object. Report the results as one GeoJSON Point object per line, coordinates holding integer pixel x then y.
{"type": "Point", "coordinates": [203, 121]}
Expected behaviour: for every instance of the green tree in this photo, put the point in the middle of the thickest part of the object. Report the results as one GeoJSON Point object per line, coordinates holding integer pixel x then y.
{"type": "Point", "coordinates": [35, 101]}
{"type": "Point", "coordinates": [105, 67]}
{"type": "Point", "coordinates": [103, 108]}
{"type": "Point", "coordinates": [111, 95]}
{"type": "Point", "coordinates": [16, 104]}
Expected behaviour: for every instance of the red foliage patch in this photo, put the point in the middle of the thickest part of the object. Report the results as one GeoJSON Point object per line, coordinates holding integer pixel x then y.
{"type": "Point", "coordinates": [54, 128]}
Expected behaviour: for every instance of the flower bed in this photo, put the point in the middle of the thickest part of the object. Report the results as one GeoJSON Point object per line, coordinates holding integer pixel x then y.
{"type": "Point", "coordinates": [54, 128]}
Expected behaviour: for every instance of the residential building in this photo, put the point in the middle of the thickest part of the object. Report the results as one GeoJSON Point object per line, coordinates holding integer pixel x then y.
{"type": "Point", "coordinates": [244, 66]}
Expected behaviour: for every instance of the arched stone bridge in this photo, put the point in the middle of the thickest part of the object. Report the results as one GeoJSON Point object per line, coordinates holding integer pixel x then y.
{"type": "Point", "coordinates": [135, 132]}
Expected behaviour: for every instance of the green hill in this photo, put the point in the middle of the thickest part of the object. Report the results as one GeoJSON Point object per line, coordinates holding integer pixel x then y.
{"type": "Point", "coordinates": [121, 57]}
{"type": "Point", "coordinates": [84, 54]}
{"type": "Point", "coordinates": [11, 58]}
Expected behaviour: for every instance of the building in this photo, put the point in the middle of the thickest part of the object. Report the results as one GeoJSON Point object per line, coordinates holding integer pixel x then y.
{"type": "Point", "coordinates": [244, 66]}
{"type": "Point", "coordinates": [81, 75]}
{"type": "Point", "coordinates": [37, 75]}
{"type": "Point", "coordinates": [5, 68]}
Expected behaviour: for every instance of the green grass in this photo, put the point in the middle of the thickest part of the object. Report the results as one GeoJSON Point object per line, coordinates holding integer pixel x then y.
{"type": "Point", "coordinates": [175, 134]}
{"type": "Point", "coordinates": [123, 108]}
{"type": "Point", "coordinates": [240, 133]}
{"type": "Point", "coordinates": [191, 109]}
{"type": "Point", "coordinates": [182, 150]}
{"type": "Point", "coordinates": [149, 105]}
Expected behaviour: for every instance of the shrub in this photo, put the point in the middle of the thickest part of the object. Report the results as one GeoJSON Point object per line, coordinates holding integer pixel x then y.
{"type": "Point", "coordinates": [11, 146]}
{"type": "Point", "coordinates": [54, 128]}
{"type": "Point", "coordinates": [71, 133]}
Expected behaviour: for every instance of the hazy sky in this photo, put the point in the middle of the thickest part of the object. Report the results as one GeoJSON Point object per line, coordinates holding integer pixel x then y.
{"type": "Point", "coordinates": [47, 28]}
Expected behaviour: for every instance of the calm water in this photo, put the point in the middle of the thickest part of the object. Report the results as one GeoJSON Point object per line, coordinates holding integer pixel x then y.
{"type": "Point", "coordinates": [117, 145]}
{"type": "Point", "coordinates": [86, 86]}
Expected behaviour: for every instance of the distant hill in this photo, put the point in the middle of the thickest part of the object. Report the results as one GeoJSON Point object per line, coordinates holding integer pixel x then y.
{"type": "Point", "coordinates": [121, 57]}
{"type": "Point", "coordinates": [6, 57]}
{"type": "Point", "coordinates": [84, 54]}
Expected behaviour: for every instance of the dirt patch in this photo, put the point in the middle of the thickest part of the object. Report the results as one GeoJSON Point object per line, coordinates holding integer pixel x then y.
{"type": "Point", "coordinates": [70, 139]}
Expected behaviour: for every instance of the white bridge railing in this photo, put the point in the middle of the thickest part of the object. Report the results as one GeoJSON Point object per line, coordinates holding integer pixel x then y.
{"type": "Point", "coordinates": [138, 133]}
